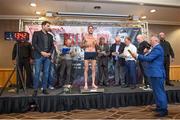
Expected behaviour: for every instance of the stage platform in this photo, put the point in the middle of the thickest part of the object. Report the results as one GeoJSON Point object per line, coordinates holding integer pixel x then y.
{"type": "Point", "coordinates": [58, 101]}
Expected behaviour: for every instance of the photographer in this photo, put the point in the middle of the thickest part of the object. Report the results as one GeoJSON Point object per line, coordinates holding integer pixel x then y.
{"type": "Point", "coordinates": [23, 51]}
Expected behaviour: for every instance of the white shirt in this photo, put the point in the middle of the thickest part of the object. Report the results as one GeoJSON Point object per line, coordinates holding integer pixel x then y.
{"type": "Point", "coordinates": [132, 48]}
{"type": "Point", "coordinates": [117, 48]}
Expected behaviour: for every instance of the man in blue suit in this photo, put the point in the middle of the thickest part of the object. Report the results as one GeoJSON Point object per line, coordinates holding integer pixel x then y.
{"type": "Point", "coordinates": [156, 73]}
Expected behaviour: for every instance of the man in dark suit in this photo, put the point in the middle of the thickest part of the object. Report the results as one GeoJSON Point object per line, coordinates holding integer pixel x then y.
{"type": "Point", "coordinates": [24, 60]}
{"type": "Point", "coordinates": [119, 63]}
{"type": "Point", "coordinates": [156, 73]}
{"type": "Point", "coordinates": [42, 43]}
{"type": "Point", "coordinates": [103, 56]}
{"type": "Point", "coordinates": [140, 50]}
{"type": "Point", "coordinates": [168, 51]}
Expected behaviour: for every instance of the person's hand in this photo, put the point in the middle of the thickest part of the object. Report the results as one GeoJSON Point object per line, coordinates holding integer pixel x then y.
{"type": "Point", "coordinates": [98, 51]}
{"type": "Point", "coordinates": [172, 60]}
{"type": "Point", "coordinates": [45, 54]}
{"type": "Point", "coordinates": [48, 54]}
{"type": "Point", "coordinates": [31, 61]}
{"type": "Point", "coordinates": [73, 53]}
{"type": "Point", "coordinates": [103, 52]}
{"type": "Point", "coordinates": [146, 50]}
{"type": "Point", "coordinates": [114, 53]}
{"type": "Point", "coordinates": [134, 55]}
{"type": "Point", "coordinates": [100, 54]}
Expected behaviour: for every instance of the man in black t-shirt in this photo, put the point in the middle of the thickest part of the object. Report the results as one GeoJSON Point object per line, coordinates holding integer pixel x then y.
{"type": "Point", "coordinates": [168, 52]}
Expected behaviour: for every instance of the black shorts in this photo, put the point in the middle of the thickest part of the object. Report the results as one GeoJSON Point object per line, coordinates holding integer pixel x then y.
{"type": "Point", "coordinates": [90, 55]}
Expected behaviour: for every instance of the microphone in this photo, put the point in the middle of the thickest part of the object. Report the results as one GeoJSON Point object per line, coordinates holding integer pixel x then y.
{"type": "Point", "coordinates": [131, 53]}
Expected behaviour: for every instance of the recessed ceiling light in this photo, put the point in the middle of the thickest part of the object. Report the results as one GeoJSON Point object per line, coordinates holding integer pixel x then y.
{"type": "Point", "coordinates": [141, 3]}
{"type": "Point", "coordinates": [143, 17]}
{"type": "Point", "coordinates": [38, 13]}
{"type": "Point", "coordinates": [33, 4]}
{"type": "Point", "coordinates": [153, 10]}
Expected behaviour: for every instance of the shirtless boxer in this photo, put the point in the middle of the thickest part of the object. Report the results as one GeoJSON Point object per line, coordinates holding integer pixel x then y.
{"type": "Point", "coordinates": [89, 44]}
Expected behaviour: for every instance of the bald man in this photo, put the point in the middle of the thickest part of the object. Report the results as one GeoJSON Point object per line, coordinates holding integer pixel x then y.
{"type": "Point", "coordinates": [119, 63]}
{"type": "Point", "coordinates": [142, 44]}
{"type": "Point", "coordinates": [168, 52]}
{"type": "Point", "coordinates": [156, 74]}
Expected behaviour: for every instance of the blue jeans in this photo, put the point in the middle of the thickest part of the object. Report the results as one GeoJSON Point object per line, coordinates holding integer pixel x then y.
{"type": "Point", "coordinates": [45, 64]}
{"type": "Point", "coordinates": [52, 75]}
{"type": "Point", "coordinates": [131, 72]}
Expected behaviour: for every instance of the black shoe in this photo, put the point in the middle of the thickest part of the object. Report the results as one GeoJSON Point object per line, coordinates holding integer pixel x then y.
{"type": "Point", "coordinates": [116, 84]}
{"type": "Point", "coordinates": [133, 87]}
{"type": "Point", "coordinates": [45, 92]}
{"type": "Point", "coordinates": [106, 84]}
{"type": "Point", "coordinates": [124, 86]}
{"type": "Point", "coordinates": [35, 93]}
{"type": "Point", "coordinates": [161, 114]}
{"type": "Point", "coordinates": [169, 84]}
{"type": "Point", "coordinates": [156, 110]}
{"type": "Point", "coordinates": [100, 84]}
{"type": "Point", "coordinates": [58, 86]}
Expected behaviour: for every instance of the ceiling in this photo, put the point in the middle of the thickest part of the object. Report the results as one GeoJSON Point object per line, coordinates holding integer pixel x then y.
{"type": "Point", "coordinates": [167, 10]}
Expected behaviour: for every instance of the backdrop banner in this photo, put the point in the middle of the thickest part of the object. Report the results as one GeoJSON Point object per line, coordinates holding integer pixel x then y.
{"type": "Point", "coordinates": [75, 33]}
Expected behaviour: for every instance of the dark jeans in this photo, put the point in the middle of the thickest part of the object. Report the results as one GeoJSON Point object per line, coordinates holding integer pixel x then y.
{"type": "Point", "coordinates": [45, 64]}
{"type": "Point", "coordinates": [146, 81]}
{"type": "Point", "coordinates": [131, 72]}
{"type": "Point", "coordinates": [52, 75]}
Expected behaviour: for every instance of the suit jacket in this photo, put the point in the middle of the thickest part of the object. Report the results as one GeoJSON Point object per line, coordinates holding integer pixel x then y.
{"type": "Point", "coordinates": [142, 46]}
{"type": "Point", "coordinates": [155, 59]}
{"type": "Point", "coordinates": [103, 59]}
{"type": "Point", "coordinates": [121, 49]}
{"type": "Point", "coordinates": [38, 43]}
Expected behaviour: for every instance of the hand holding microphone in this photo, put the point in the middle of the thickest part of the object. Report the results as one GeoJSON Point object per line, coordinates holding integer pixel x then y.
{"type": "Point", "coordinates": [134, 55]}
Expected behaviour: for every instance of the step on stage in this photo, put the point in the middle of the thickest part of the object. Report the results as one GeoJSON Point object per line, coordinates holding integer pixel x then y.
{"type": "Point", "coordinates": [57, 100]}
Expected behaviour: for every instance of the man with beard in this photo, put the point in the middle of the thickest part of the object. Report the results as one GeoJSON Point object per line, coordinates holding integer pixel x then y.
{"type": "Point", "coordinates": [89, 44]}
{"type": "Point", "coordinates": [42, 43]}
{"type": "Point", "coordinates": [168, 52]}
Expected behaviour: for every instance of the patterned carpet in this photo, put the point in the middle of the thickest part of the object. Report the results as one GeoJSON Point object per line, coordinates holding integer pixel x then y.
{"type": "Point", "coordinates": [138, 112]}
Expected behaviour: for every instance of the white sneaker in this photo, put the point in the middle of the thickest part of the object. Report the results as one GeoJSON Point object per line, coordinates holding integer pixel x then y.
{"type": "Point", "coordinates": [51, 87]}
{"type": "Point", "coordinates": [147, 89]}
{"type": "Point", "coordinates": [141, 87]}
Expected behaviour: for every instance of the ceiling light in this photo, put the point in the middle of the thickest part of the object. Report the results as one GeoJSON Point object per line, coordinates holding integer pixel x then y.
{"type": "Point", "coordinates": [33, 4]}
{"type": "Point", "coordinates": [141, 3]}
{"type": "Point", "coordinates": [153, 10]}
{"type": "Point", "coordinates": [38, 13]}
{"type": "Point", "coordinates": [143, 17]}
{"type": "Point", "coordinates": [93, 15]}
